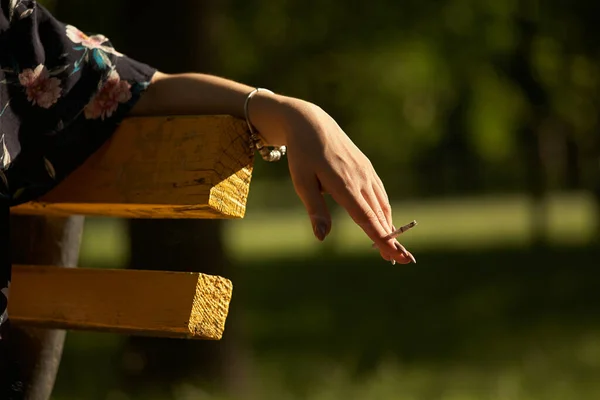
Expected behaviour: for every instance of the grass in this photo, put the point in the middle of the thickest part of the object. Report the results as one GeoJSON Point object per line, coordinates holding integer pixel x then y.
{"type": "Point", "coordinates": [481, 316]}
{"type": "Point", "coordinates": [495, 324]}
{"type": "Point", "coordinates": [466, 223]}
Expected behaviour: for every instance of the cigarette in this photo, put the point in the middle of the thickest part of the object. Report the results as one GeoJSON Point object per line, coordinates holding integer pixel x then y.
{"type": "Point", "coordinates": [399, 231]}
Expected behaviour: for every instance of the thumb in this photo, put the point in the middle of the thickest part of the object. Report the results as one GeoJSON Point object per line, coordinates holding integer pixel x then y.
{"type": "Point", "coordinates": [309, 190]}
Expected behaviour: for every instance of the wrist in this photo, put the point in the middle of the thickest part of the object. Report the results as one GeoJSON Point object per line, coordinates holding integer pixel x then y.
{"type": "Point", "coordinates": [266, 113]}
{"type": "Point", "coordinates": [271, 114]}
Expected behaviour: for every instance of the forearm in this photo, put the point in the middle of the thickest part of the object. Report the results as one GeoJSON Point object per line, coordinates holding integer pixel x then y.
{"type": "Point", "coordinates": [200, 94]}
{"type": "Point", "coordinates": [191, 93]}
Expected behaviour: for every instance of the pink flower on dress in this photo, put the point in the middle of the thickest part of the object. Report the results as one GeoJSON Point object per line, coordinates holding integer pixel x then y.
{"type": "Point", "coordinates": [41, 89]}
{"type": "Point", "coordinates": [106, 101]}
{"type": "Point", "coordinates": [90, 42]}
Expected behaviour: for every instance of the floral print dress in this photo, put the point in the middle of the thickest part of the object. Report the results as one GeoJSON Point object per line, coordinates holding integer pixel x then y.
{"type": "Point", "coordinates": [62, 94]}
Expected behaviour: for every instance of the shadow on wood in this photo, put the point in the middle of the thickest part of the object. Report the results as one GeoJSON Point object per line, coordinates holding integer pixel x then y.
{"type": "Point", "coordinates": [160, 167]}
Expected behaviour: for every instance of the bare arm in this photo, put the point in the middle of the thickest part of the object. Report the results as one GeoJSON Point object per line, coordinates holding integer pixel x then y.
{"type": "Point", "coordinates": [321, 157]}
{"type": "Point", "coordinates": [192, 93]}
{"type": "Point", "coordinates": [201, 94]}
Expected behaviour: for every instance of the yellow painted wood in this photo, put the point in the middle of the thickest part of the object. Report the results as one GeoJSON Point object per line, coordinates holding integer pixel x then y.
{"type": "Point", "coordinates": [134, 302]}
{"type": "Point", "coordinates": [160, 167]}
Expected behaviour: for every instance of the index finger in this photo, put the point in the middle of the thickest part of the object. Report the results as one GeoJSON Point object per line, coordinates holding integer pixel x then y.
{"type": "Point", "coordinates": [399, 231]}
{"type": "Point", "coordinates": [365, 217]}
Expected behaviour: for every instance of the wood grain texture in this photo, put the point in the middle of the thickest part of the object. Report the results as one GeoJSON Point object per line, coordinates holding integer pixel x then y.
{"type": "Point", "coordinates": [160, 167]}
{"type": "Point", "coordinates": [134, 302]}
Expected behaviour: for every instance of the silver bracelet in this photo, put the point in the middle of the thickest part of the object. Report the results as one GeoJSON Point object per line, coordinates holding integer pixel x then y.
{"type": "Point", "coordinates": [268, 154]}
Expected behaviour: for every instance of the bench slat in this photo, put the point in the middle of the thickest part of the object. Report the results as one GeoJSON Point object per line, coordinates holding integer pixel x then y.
{"type": "Point", "coordinates": [160, 167]}
{"type": "Point", "coordinates": [134, 302]}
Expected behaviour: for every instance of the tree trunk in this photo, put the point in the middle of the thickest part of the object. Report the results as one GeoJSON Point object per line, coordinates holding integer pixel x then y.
{"type": "Point", "coordinates": [595, 176]}
{"type": "Point", "coordinates": [523, 74]}
{"type": "Point", "coordinates": [460, 167]}
{"type": "Point", "coordinates": [573, 164]}
{"type": "Point", "coordinates": [42, 241]}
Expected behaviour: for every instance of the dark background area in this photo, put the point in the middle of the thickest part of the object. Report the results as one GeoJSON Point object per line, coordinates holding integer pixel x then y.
{"type": "Point", "coordinates": [482, 120]}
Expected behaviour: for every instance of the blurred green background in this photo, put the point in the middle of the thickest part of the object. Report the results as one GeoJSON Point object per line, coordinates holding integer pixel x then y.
{"type": "Point", "coordinates": [482, 120]}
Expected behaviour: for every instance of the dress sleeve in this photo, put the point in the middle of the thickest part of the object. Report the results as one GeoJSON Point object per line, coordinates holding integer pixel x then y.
{"type": "Point", "coordinates": [63, 93]}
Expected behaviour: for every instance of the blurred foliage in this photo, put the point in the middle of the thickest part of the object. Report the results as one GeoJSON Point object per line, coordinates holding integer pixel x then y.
{"type": "Point", "coordinates": [447, 98]}
{"type": "Point", "coordinates": [425, 88]}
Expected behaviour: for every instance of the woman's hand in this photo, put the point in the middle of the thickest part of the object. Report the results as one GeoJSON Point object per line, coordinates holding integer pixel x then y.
{"type": "Point", "coordinates": [323, 159]}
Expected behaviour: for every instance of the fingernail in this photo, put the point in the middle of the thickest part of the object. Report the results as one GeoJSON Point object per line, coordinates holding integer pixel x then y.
{"type": "Point", "coordinates": [412, 258]}
{"type": "Point", "coordinates": [320, 231]}
{"type": "Point", "coordinates": [393, 262]}
{"type": "Point", "coordinates": [401, 249]}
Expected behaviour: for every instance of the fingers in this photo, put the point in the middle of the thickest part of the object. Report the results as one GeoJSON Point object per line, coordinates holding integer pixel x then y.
{"type": "Point", "coordinates": [309, 190]}
{"type": "Point", "coordinates": [377, 200]}
{"type": "Point", "coordinates": [398, 232]}
{"type": "Point", "coordinates": [371, 219]}
{"type": "Point", "coordinates": [384, 204]}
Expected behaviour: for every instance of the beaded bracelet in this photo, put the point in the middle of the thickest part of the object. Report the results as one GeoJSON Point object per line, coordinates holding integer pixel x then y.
{"type": "Point", "coordinates": [271, 155]}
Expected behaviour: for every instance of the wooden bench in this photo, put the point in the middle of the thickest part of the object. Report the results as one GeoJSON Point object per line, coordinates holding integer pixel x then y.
{"type": "Point", "coordinates": [156, 167]}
